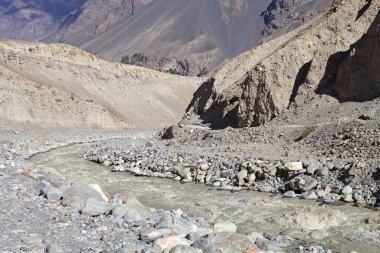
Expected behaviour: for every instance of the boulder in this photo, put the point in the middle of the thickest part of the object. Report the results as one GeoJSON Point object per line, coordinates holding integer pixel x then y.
{"type": "Point", "coordinates": [303, 183]}
{"type": "Point", "coordinates": [77, 195]}
{"type": "Point", "coordinates": [225, 227]}
{"type": "Point", "coordinates": [95, 207]}
{"type": "Point", "coordinates": [294, 166]}
{"type": "Point", "coordinates": [167, 243]}
{"type": "Point", "coordinates": [224, 242]}
{"type": "Point", "coordinates": [132, 203]}
{"type": "Point", "coordinates": [150, 234]}
{"type": "Point", "coordinates": [184, 249]}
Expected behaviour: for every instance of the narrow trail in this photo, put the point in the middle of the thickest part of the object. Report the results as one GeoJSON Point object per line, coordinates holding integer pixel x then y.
{"type": "Point", "coordinates": [343, 228]}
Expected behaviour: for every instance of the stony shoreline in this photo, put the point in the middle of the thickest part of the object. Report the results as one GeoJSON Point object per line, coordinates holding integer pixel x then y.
{"type": "Point", "coordinates": [321, 179]}
{"type": "Point", "coordinates": [46, 213]}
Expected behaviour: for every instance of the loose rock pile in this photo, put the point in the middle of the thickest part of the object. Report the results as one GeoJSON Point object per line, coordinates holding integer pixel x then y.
{"type": "Point", "coordinates": [331, 177]}
{"type": "Point", "coordinates": [53, 215]}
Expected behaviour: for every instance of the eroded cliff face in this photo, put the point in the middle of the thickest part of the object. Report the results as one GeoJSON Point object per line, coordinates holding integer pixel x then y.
{"type": "Point", "coordinates": [260, 84]}
{"type": "Point", "coordinates": [358, 77]}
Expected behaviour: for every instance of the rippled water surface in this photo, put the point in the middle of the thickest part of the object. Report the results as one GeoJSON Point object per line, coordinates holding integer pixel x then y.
{"type": "Point", "coordinates": [341, 228]}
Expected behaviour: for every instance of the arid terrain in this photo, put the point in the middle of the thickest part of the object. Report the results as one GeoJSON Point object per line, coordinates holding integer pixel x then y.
{"type": "Point", "coordinates": [185, 36]}
{"type": "Point", "coordinates": [276, 151]}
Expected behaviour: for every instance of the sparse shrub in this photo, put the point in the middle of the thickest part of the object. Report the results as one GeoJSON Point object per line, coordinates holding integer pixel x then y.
{"type": "Point", "coordinates": [202, 71]}
{"type": "Point", "coordinates": [174, 71]}
{"type": "Point", "coordinates": [306, 131]}
{"type": "Point", "coordinates": [125, 59]}
{"type": "Point", "coordinates": [137, 59]}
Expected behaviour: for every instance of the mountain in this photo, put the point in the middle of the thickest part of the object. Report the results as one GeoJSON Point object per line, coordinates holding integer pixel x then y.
{"type": "Point", "coordinates": [325, 57]}
{"type": "Point", "coordinates": [185, 37]}
{"type": "Point", "coordinates": [33, 19]}
{"type": "Point", "coordinates": [60, 85]}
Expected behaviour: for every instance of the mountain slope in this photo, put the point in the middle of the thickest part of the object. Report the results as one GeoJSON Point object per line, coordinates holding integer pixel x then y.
{"type": "Point", "coordinates": [203, 32]}
{"type": "Point", "coordinates": [183, 36]}
{"type": "Point", "coordinates": [289, 71]}
{"type": "Point", "coordinates": [33, 19]}
{"type": "Point", "coordinates": [62, 85]}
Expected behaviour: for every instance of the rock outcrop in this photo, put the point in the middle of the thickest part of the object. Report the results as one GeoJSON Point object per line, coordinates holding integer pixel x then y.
{"type": "Point", "coordinates": [358, 77]}
{"type": "Point", "coordinates": [260, 84]}
{"type": "Point", "coordinates": [290, 14]}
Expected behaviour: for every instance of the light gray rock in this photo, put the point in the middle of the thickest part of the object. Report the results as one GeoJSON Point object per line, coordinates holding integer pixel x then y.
{"type": "Point", "coordinates": [309, 195]}
{"type": "Point", "coordinates": [183, 227]}
{"type": "Point", "coordinates": [303, 183]}
{"type": "Point", "coordinates": [183, 249]}
{"type": "Point", "coordinates": [167, 243]}
{"type": "Point", "coordinates": [77, 195]}
{"type": "Point", "coordinates": [322, 172]}
{"type": "Point", "coordinates": [96, 207]}
{"type": "Point", "coordinates": [225, 227]}
{"type": "Point", "coordinates": [132, 203]}
{"type": "Point", "coordinates": [242, 175]}
{"type": "Point", "coordinates": [166, 221]}
{"type": "Point", "coordinates": [54, 194]}
{"type": "Point", "coordinates": [313, 166]}
{"type": "Point", "coordinates": [199, 233]}
{"type": "Point", "coordinates": [294, 166]}
{"type": "Point", "coordinates": [289, 194]}
{"type": "Point", "coordinates": [347, 190]}
{"type": "Point", "coordinates": [223, 243]}
{"type": "Point", "coordinates": [132, 216]}
{"type": "Point", "coordinates": [54, 248]}
{"type": "Point", "coordinates": [204, 166]}
{"type": "Point", "coordinates": [253, 236]}
{"type": "Point", "coordinates": [151, 236]}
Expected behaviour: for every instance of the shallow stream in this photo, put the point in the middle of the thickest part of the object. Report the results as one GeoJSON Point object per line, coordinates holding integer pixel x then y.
{"type": "Point", "coordinates": [340, 228]}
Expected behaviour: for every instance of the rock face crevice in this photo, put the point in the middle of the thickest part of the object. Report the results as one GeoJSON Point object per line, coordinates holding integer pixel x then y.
{"type": "Point", "coordinates": [291, 69]}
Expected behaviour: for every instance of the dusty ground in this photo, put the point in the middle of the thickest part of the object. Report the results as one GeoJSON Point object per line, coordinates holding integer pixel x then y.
{"type": "Point", "coordinates": [60, 85]}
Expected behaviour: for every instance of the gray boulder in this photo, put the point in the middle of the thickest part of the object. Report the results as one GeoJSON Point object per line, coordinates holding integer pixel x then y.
{"type": "Point", "coordinates": [224, 242]}
{"type": "Point", "coordinates": [95, 207]}
{"type": "Point", "coordinates": [77, 195]}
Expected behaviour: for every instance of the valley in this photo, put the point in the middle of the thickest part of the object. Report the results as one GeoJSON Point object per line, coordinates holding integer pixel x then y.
{"type": "Point", "coordinates": [254, 129]}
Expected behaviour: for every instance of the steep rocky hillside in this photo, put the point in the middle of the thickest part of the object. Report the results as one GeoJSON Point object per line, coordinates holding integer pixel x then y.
{"type": "Point", "coordinates": [289, 71]}
{"type": "Point", "coordinates": [286, 15]}
{"type": "Point", "coordinates": [73, 22]}
{"type": "Point", "coordinates": [33, 19]}
{"type": "Point", "coordinates": [184, 37]}
{"type": "Point", "coordinates": [191, 35]}
{"type": "Point", "coordinates": [62, 85]}
{"type": "Point", "coordinates": [202, 32]}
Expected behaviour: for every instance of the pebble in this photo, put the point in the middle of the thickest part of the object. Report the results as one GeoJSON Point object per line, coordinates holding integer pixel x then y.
{"type": "Point", "coordinates": [289, 194]}
{"type": "Point", "coordinates": [225, 227]}
{"type": "Point", "coordinates": [167, 243]}
{"type": "Point", "coordinates": [183, 249]}
{"type": "Point", "coordinates": [293, 166]}
{"type": "Point", "coordinates": [150, 236]}
{"type": "Point", "coordinates": [54, 194]}
{"type": "Point", "coordinates": [309, 195]}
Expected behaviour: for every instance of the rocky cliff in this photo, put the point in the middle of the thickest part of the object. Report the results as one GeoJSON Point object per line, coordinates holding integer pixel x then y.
{"type": "Point", "coordinates": [260, 84]}
{"type": "Point", "coordinates": [358, 77]}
